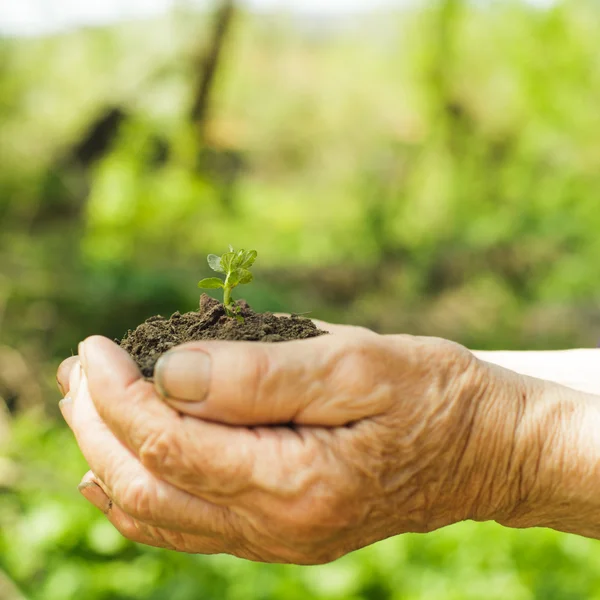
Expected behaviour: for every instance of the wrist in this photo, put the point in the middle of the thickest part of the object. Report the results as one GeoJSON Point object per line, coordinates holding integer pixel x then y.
{"type": "Point", "coordinates": [495, 458]}
{"type": "Point", "coordinates": [557, 458]}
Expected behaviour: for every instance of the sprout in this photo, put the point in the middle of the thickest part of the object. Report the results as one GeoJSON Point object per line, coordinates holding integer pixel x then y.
{"type": "Point", "coordinates": [236, 268]}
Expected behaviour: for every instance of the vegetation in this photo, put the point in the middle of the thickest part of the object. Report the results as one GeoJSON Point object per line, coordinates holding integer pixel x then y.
{"type": "Point", "coordinates": [236, 268]}
{"type": "Point", "coordinates": [433, 170]}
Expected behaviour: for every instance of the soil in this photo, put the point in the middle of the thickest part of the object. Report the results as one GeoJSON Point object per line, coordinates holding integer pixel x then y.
{"type": "Point", "coordinates": [158, 334]}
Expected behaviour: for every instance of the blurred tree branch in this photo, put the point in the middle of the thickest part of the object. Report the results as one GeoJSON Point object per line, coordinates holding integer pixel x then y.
{"type": "Point", "coordinates": [208, 63]}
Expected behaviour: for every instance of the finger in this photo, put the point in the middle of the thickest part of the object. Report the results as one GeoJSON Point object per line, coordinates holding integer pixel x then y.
{"type": "Point", "coordinates": [66, 404]}
{"type": "Point", "coordinates": [131, 487]}
{"type": "Point", "coordinates": [64, 372]}
{"type": "Point", "coordinates": [214, 461]}
{"type": "Point", "coordinates": [326, 381]}
{"type": "Point", "coordinates": [91, 489]}
{"type": "Point", "coordinates": [95, 492]}
{"type": "Point", "coordinates": [66, 408]}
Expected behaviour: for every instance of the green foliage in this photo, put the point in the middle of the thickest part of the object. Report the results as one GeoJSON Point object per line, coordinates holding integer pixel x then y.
{"type": "Point", "coordinates": [211, 283]}
{"type": "Point", "coordinates": [236, 268]}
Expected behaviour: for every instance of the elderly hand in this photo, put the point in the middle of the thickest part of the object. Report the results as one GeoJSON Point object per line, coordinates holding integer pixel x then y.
{"type": "Point", "coordinates": [303, 451]}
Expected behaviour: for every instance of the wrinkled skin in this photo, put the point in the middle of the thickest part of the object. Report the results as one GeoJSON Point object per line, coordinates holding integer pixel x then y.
{"type": "Point", "coordinates": [303, 451]}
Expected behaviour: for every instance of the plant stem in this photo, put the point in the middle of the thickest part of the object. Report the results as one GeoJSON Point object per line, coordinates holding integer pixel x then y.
{"type": "Point", "coordinates": [227, 297]}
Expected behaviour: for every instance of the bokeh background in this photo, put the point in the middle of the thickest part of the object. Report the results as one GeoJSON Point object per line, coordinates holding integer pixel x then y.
{"type": "Point", "coordinates": [430, 168]}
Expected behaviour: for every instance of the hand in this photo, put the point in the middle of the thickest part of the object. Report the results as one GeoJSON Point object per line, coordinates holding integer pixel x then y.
{"type": "Point", "coordinates": [296, 452]}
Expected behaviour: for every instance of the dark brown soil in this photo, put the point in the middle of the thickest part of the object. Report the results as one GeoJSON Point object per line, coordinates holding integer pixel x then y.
{"type": "Point", "coordinates": [158, 334]}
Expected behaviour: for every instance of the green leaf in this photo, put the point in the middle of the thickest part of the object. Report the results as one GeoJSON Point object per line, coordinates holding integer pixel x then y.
{"type": "Point", "coordinates": [235, 260]}
{"type": "Point", "coordinates": [248, 259]}
{"type": "Point", "coordinates": [214, 262]}
{"type": "Point", "coordinates": [231, 248]}
{"type": "Point", "coordinates": [245, 276]}
{"type": "Point", "coordinates": [238, 276]}
{"type": "Point", "coordinates": [210, 283]}
{"type": "Point", "coordinates": [226, 261]}
{"type": "Point", "coordinates": [234, 277]}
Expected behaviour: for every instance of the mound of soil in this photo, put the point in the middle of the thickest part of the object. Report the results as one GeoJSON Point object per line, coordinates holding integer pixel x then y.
{"type": "Point", "coordinates": [158, 334]}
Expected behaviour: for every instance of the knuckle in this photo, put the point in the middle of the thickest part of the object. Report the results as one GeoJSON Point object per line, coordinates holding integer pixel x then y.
{"type": "Point", "coordinates": [136, 500]}
{"type": "Point", "coordinates": [356, 369]}
{"type": "Point", "coordinates": [314, 520]}
{"type": "Point", "coordinates": [331, 514]}
{"type": "Point", "coordinates": [452, 354]}
{"type": "Point", "coordinates": [156, 450]}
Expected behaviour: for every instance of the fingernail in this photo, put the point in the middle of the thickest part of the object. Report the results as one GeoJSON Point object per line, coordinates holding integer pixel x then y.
{"type": "Point", "coordinates": [81, 353]}
{"type": "Point", "coordinates": [67, 400]}
{"type": "Point", "coordinates": [93, 493]}
{"type": "Point", "coordinates": [183, 375]}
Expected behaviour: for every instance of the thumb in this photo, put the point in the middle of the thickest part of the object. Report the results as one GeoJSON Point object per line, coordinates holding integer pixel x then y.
{"type": "Point", "coordinates": [328, 381]}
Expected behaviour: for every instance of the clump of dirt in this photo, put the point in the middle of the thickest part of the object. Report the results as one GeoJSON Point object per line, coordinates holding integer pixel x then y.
{"type": "Point", "coordinates": [158, 334]}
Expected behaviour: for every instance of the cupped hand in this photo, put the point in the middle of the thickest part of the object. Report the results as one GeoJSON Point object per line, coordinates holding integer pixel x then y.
{"type": "Point", "coordinates": [294, 452]}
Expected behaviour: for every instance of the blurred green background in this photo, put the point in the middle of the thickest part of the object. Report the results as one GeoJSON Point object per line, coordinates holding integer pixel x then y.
{"type": "Point", "coordinates": [431, 169]}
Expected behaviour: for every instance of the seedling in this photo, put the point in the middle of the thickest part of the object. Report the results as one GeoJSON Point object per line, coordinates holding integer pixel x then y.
{"type": "Point", "coordinates": [236, 268]}
{"type": "Point", "coordinates": [213, 320]}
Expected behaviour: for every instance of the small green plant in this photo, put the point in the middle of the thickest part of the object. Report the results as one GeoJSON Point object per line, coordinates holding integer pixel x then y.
{"type": "Point", "coordinates": [236, 268]}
